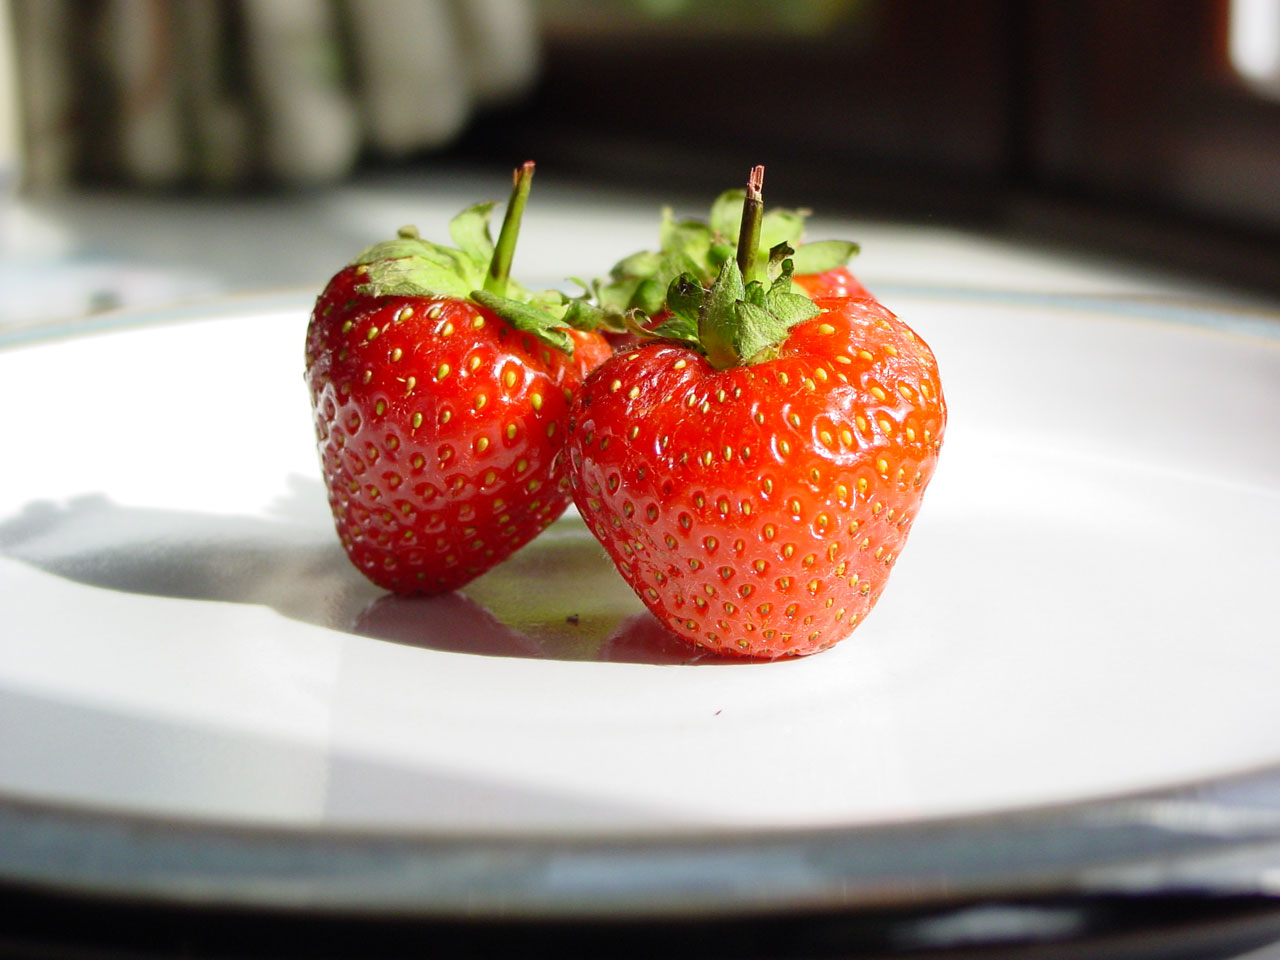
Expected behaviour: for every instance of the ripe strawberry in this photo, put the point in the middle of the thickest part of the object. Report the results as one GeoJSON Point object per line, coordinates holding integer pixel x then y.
{"type": "Point", "coordinates": [839, 282]}
{"type": "Point", "coordinates": [440, 391]}
{"type": "Point", "coordinates": [754, 475]}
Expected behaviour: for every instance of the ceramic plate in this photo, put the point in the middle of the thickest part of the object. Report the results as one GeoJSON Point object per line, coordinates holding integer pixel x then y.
{"type": "Point", "coordinates": [1085, 609]}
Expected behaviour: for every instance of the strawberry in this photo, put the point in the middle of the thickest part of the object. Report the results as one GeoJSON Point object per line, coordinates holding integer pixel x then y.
{"type": "Point", "coordinates": [838, 282]}
{"type": "Point", "coordinates": [440, 391]}
{"type": "Point", "coordinates": [754, 473]}
{"type": "Point", "coordinates": [638, 283]}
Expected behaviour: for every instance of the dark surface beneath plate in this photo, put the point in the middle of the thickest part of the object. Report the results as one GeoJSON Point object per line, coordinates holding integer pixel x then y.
{"type": "Point", "coordinates": [1180, 875]}
{"type": "Point", "coordinates": [1101, 928]}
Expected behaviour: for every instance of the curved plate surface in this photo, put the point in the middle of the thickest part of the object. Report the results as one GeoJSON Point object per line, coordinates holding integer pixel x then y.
{"type": "Point", "coordinates": [1084, 609]}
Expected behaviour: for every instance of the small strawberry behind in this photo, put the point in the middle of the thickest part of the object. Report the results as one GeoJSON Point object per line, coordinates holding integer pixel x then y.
{"type": "Point", "coordinates": [440, 390]}
{"type": "Point", "coordinates": [754, 468]}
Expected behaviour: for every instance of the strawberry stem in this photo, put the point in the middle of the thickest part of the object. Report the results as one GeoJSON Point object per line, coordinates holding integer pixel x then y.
{"type": "Point", "coordinates": [749, 233]}
{"type": "Point", "coordinates": [500, 266]}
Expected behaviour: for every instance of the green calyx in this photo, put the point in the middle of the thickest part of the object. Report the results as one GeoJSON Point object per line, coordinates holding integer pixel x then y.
{"type": "Point", "coordinates": [701, 248]}
{"type": "Point", "coordinates": [476, 269]}
{"type": "Point", "coordinates": [744, 314]}
{"type": "Point", "coordinates": [733, 321]}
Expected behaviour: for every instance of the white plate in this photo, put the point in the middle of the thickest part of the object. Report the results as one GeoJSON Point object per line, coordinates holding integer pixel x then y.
{"type": "Point", "coordinates": [1086, 607]}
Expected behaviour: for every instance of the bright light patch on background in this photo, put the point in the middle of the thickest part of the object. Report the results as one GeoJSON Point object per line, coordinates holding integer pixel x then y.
{"type": "Point", "coordinates": [1254, 41]}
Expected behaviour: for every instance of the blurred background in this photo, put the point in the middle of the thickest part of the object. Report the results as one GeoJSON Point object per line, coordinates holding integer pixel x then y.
{"type": "Point", "coordinates": [155, 151]}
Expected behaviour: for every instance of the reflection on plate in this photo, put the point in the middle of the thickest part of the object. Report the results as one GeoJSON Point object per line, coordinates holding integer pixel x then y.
{"type": "Point", "coordinates": [1083, 610]}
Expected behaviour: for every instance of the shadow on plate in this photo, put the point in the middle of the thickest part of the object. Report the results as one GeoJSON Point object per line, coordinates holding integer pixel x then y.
{"type": "Point", "coordinates": [559, 598]}
{"type": "Point", "coordinates": [457, 623]}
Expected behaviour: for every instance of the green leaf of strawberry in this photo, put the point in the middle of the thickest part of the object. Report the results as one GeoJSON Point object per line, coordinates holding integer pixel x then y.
{"type": "Point", "coordinates": [823, 255]}
{"type": "Point", "coordinates": [527, 318]}
{"type": "Point", "coordinates": [718, 317]}
{"type": "Point", "coordinates": [736, 320]}
{"type": "Point", "coordinates": [406, 244]}
{"type": "Point", "coordinates": [420, 274]}
{"type": "Point", "coordinates": [726, 214]}
{"type": "Point", "coordinates": [685, 298]}
{"type": "Point", "coordinates": [688, 238]}
{"type": "Point", "coordinates": [410, 266]}
{"type": "Point", "coordinates": [469, 230]}
{"type": "Point", "coordinates": [701, 248]}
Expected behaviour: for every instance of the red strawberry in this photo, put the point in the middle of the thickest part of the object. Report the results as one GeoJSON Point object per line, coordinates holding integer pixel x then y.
{"type": "Point", "coordinates": [441, 391]}
{"type": "Point", "coordinates": [839, 282]}
{"type": "Point", "coordinates": [754, 477]}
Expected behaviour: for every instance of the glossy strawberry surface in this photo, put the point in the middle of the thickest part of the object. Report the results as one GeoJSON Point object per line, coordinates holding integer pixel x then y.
{"type": "Point", "coordinates": [438, 428]}
{"type": "Point", "coordinates": [757, 510]}
{"type": "Point", "coordinates": [839, 282]}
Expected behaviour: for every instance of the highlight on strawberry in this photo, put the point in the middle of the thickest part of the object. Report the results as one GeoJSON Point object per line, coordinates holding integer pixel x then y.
{"type": "Point", "coordinates": [440, 390]}
{"type": "Point", "coordinates": [754, 466]}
